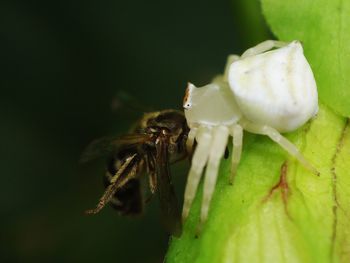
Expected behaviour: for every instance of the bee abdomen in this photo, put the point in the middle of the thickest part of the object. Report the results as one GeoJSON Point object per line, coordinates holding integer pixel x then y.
{"type": "Point", "coordinates": [128, 199]}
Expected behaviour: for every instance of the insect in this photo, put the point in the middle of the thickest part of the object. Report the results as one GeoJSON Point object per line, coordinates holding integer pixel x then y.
{"type": "Point", "coordinates": [158, 139]}
{"type": "Point", "coordinates": [264, 91]}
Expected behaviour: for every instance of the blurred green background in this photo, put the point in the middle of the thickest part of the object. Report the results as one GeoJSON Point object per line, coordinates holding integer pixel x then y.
{"type": "Point", "coordinates": [62, 65]}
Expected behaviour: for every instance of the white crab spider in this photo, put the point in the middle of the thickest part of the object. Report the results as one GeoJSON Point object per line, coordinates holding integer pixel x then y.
{"type": "Point", "coordinates": [264, 92]}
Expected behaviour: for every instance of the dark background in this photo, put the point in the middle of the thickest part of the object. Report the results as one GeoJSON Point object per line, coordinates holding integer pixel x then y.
{"type": "Point", "coordinates": [65, 68]}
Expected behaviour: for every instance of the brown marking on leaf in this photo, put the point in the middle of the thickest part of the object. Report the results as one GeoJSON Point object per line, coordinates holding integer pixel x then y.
{"type": "Point", "coordinates": [282, 184]}
{"type": "Point", "coordinates": [334, 186]}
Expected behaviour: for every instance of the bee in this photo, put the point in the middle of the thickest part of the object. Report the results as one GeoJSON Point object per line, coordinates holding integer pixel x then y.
{"type": "Point", "coordinates": [156, 141]}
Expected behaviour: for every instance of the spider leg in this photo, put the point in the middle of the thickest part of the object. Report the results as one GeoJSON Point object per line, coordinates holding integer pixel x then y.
{"type": "Point", "coordinates": [282, 141]}
{"type": "Point", "coordinates": [237, 134]}
{"type": "Point", "coordinates": [200, 157]}
{"type": "Point", "coordinates": [190, 140]}
{"type": "Point", "coordinates": [229, 61]}
{"type": "Point", "coordinates": [262, 47]}
{"type": "Point", "coordinates": [216, 152]}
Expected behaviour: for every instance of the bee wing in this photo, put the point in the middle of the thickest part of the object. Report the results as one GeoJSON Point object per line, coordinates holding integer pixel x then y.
{"type": "Point", "coordinates": [167, 198]}
{"type": "Point", "coordinates": [127, 105]}
{"type": "Point", "coordinates": [105, 145]}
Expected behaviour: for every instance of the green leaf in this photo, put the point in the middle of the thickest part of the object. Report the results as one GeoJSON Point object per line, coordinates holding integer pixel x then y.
{"type": "Point", "coordinates": [301, 222]}
{"type": "Point", "coordinates": [324, 28]}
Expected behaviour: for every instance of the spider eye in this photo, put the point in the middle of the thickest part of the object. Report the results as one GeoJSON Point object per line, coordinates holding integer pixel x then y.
{"type": "Point", "coordinates": [187, 105]}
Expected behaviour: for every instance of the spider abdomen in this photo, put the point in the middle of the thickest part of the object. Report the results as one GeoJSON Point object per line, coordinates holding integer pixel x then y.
{"type": "Point", "coordinates": [275, 88]}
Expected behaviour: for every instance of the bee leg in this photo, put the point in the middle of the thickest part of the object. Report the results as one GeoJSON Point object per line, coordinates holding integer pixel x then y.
{"type": "Point", "coordinates": [237, 134]}
{"type": "Point", "coordinates": [114, 186]}
{"type": "Point", "coordinates": [106, 197]}
{"type": "Point", "coordinates": [152, 182]}
{"type": "Point", "coordinates": [199, 160]}
{"type": "Point", "coordinates": [219, 142]}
